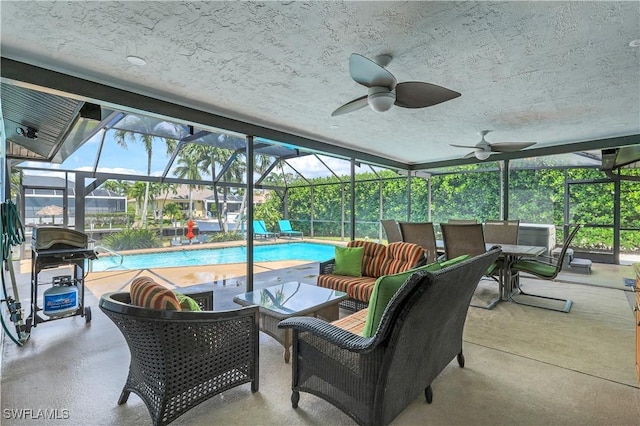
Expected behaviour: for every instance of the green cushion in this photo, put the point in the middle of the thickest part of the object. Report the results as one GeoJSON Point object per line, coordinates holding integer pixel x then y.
{"type": "Point", "coordinates": [490, 271]}
{"type": "Point", "coordinates": [384, 289]}
{"type": "Point", "coordinates": [536, 268]}
{"type": "Point", "coordinates": [387, 285]}
{"type": "Point", "coordinates": [453, 261]}
{"type": "Point", "coordinates": [187, 303]}
{"type": "Point", "coordinates": [349, 261]}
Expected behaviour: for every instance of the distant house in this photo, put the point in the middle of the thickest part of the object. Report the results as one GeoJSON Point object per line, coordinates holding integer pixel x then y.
{"type": "Point", "coordinates": [43, 191]}
{"type": "Point", "coordinates": [204, 204]}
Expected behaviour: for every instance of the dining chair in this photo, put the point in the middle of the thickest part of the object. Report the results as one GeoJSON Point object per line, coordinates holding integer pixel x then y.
{"type": "Point", "coordinates": [461, 239]}
{"type": "Point", "coordinates": [423, 234]}
{"type": "Point", "coordinates": [546, 270]}
{"type": "Point", "coordinates": [501, 231]}
{"type": "Point", "coordinates": [392, 230]}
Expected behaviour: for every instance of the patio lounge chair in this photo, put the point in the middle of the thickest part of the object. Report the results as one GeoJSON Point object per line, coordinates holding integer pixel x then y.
{"type": "Point", "coordinates": [260, 230]}
{"type": "Point", "coordinates": [287, 230]}
{"type": "Point", "coordinates": [372, 379]}
{"type": "Point", "coordinates": [180, 359]}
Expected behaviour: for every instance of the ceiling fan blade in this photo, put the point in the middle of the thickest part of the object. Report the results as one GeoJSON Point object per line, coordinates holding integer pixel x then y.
{"type": "Point", "coordinates": [510, 146]}
{"type": "Point", "coordinates": [418, 94]}
{"type": "Point", "coordinates": [470, 155]}
{"type": "Point", "coordinates": [368, 73]}
{"type": "Point", "coordinates": [463, 146]}
{"type": "Point", "coordinates": [351, 106]}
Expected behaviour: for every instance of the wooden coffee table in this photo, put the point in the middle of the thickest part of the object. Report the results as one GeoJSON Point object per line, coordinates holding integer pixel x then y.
{"type": "Point", "coordinates": [291, 299]}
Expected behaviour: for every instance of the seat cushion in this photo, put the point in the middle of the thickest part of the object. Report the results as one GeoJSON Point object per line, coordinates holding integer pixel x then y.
{"type": "Point", "coordinates": [383, 290]}
{"type": "Point", "coordinates": [401, 257]}
{"type": "Point", "coordinates": [388, 285]}
{"type": "Point", "coordinates": [359, 288]}
{"type": "Point", "coordinates": [354, 322]}
{"type": "Point", "coordinates": [348, 261]}
{"type": "Point", "coordinates": [537, 268]}
{"type": "Point", "coordinates": [148, 294]}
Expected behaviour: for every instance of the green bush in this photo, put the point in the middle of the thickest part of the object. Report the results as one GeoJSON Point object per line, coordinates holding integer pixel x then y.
{"type": "Point", "coordinates": [132, 239]}
{"type": "Point", "coordinates": [219, 237]}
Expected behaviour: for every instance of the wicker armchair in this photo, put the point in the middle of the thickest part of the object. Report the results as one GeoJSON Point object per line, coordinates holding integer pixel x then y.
{"type": "Point", "coordinates": [374, 379]}
{"type": "Point", "coordinates": [180, 359]}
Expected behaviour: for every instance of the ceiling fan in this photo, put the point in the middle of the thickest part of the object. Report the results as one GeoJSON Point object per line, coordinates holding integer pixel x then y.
{"type": "Point", "coordinates": [385, 91]}
{"type": "Point", "coordinates": [483, 149]}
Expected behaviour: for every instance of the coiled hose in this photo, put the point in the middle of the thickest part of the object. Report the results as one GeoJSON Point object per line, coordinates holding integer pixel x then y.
{"type": "Point", "coordinates": [12, 234]}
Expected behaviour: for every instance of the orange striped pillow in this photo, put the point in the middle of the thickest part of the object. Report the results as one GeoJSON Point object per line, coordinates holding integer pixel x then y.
{"type": "Point", "coordinates": [401, 257]}
{"type": "Point", "coordinates": [148, 294]}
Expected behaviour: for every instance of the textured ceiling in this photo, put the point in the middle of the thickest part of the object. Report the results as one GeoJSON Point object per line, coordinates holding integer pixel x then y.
{"type": "Point", "coordinates": [550, 72]}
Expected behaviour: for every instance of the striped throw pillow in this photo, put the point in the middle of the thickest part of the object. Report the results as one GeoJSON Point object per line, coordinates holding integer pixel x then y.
{"type": "Point", "coordinates": [148, 294]}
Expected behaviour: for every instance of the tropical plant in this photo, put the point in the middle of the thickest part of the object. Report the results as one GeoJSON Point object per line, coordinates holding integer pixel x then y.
{"type": "Point", "coordinates": [132, 239]}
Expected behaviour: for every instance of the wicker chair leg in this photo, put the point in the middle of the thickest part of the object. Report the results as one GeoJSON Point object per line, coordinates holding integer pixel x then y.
{"type": "Point", "coordinates": [461, 360]}
{"type": "Point", "coordinates": [124, 396]}
{"type": "Point", "coordinates": [428, 394]}
{"type": "Point", "coordinates": [295, 397]}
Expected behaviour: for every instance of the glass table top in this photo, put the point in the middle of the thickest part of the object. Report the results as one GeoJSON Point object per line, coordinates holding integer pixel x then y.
{"type": "Point", "coordinates": [291, 298]}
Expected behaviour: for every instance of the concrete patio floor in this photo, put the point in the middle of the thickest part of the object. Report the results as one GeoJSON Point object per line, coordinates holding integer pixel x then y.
{"type": "Point", "coordinates": [524, 365]}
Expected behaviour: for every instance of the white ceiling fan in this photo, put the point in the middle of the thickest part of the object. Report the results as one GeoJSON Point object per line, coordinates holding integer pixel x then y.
{"type": "Point", "coordinates": [384, 91]}
{"type": "Point", "coordinates": [483, 149]}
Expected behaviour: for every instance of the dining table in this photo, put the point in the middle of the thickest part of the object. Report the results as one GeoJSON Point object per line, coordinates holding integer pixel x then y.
{"type": "Point", "coordinates": [511, 253]}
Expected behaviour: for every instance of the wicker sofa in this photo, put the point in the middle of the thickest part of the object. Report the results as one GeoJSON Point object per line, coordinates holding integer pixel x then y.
{"type": "Point", "coordinates": [372, 379]}
{"type": "Point", "coordinates": [378, 259]}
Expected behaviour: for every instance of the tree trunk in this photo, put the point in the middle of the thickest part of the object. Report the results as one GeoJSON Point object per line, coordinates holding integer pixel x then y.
{"type": "Point", "coordinates": [143, 220]}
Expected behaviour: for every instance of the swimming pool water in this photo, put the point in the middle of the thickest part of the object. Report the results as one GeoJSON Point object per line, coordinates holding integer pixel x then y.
{"type": "Point", "coordinates": [261, 253]}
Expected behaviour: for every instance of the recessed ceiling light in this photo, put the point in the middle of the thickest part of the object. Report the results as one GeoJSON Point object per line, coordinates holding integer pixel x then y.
{"type": "Point", "coordinates": [635, 43]}
{"type": "Point", "coordinates": [136, 60]}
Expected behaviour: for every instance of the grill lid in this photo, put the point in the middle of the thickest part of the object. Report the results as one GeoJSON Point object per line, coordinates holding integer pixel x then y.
{"type": "Point", "coordinates": [47, 237]}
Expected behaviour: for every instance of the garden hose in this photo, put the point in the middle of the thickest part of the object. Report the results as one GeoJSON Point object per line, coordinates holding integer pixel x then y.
{"type": "Point", "coordinates": [12, 234]}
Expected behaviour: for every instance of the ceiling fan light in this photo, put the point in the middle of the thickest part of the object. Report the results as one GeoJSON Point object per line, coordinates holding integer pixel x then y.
{"type": "Point", "coordinates": [381, 101]}
{"type": "Point", "coordinates": [482, 154]}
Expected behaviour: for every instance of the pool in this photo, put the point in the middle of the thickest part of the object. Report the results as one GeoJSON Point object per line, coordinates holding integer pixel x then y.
{"type": "Point", "coordinates": [216, 256]}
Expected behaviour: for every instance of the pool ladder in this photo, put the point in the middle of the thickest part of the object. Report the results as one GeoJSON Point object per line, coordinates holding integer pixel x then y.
{"type": "Point", "coordinates": [103, 249]}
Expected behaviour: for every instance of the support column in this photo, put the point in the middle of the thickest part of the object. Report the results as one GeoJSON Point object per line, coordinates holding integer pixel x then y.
{"type": "Point", "coordinates": [249, 227]}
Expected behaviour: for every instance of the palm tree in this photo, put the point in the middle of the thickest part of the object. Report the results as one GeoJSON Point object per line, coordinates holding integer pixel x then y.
{"type": "Point", "coordinates": [119, 187]}
{"type": "Point", "coordinates": [261, 164]}
{"type": "Point", "coordinates": [189, 168]}
{"type": "Point", "coordinates": [173, 210]}
{"type": "Point", "coordinates": [16, 183]}
{"type": "Point", "coordinates": [147, 138]}
{"type": "Point", "coordinates": [210, 157]}
{"type": "Point", "coordinates": [165, 188]}
{"type": "Point", "coordinates": [138, 192]}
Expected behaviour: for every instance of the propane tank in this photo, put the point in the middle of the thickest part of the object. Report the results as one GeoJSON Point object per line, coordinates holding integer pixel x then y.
{"type": "Point", "coordinates": [62, 298]}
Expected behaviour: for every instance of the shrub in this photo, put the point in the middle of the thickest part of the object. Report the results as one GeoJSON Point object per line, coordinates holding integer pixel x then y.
{"type": "Point", "coordinates": [132, 239]}
{"type": "Point", "coordinates": [218, 237]}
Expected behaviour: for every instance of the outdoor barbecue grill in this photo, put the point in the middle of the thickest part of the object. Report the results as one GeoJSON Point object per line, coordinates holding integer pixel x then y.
{"type": "Point", "coordinates": [52, 247]}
